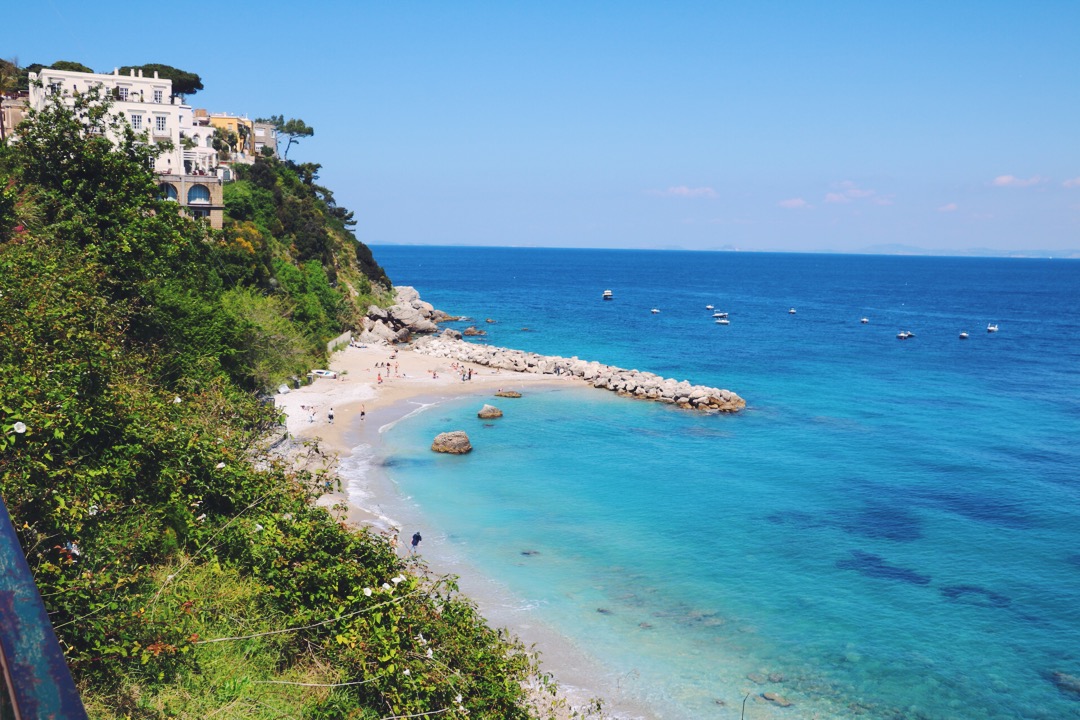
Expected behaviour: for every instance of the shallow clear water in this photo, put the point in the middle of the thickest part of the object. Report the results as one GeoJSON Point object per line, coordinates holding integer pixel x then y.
{"type": "Point", "coordinates": [891, 528]}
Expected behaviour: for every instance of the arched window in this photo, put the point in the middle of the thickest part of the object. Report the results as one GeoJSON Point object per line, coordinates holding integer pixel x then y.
{"type": "Point", "coordinates": [168, 192]}
{"type": "Point", "coordinates": [198, 195]}
{"type": "Point", "coordinates": [209, 141]}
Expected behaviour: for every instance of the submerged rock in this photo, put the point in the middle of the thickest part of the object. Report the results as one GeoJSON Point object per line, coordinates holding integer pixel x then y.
{"type": "Point", "coordinates": [778, 699]}
{"type": "Point", "coordinates": [455, 442]}
{"type": "Point", "coordinates": [1066, 683]}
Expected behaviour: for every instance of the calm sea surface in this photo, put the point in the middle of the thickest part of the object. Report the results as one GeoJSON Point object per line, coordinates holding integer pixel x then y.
{"type": "Point", "coordinates": [891, 529]}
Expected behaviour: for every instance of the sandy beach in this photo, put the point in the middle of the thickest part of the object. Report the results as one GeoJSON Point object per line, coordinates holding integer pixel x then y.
{"type": "Point", "coordinates": [379, 384]}
{"type": "Point", "coordinates": [377, 377]}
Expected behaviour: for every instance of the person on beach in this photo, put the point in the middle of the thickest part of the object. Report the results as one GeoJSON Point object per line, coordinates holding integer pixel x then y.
{"type": "Point", "coordinates": [363, 411]}
{"type": "Point", "coordinates": [416, 541]}
{"type": "Point", "coordinates": [330, 416]}
{"type": "Point", "coordinates": [379, 378]}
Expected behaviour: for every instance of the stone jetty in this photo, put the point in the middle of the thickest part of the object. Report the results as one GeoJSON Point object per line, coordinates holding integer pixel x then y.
{"type": "Point", "coordinates": [410, 315]}
{"type": "Point", "coordinates": [630, 383]}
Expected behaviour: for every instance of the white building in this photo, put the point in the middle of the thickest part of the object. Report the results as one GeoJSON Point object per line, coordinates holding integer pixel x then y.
{"type": "Point", "coordinates": [188, 175]}
{"type": "Point", "coordinates": [147, 103]}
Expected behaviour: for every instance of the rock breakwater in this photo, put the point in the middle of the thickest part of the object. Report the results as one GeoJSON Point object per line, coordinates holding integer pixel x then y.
{"type": "Point", "coordinates": [630, 383]}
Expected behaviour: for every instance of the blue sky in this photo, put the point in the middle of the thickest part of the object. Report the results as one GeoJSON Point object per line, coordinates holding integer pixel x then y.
{"type": "Point", "coordinates": [800, 126]}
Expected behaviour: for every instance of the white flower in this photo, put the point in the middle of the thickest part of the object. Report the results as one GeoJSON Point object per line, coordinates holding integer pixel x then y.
{"type": "Point", "coordinates": [19, 427]}
{"type": "Point", "coordinates": [429, 652]}
{"type": "Point", "coordinates": [219, 465]}
{"type": "Point", "coordinates": [397, 579]}
{"type": "Point", "coordinates": [176, 400]}
{"type": "Point", "coordinates": [258, 527]}
{"type": "Point", "coordinates": [367, 592]}
{"type": "Point", "coordinates": [92, 510]}
{"type": "Point", "coordinates": [386, 586]}
{"type": "Point", "coordinates": [420, 638]}
{"type": "Point", "coordinates": [405, 672]}
{"type": "Point", "coordinates": [458, 699]}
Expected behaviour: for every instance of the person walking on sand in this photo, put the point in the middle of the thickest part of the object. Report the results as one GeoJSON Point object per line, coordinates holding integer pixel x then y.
{"type": "Point", "coordinates": [363, 411]}
{"type": "Point", "coordinates": [330, 416]}
{"type": "Point", "coordinates": [416, 541]}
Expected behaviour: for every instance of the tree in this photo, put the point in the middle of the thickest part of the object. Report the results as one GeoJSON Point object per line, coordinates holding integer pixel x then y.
{"type": "Point", "coordinates": [71, 66]}
{"type": "Point", "coordinates": [183, 82]}
{"type": "Point", "coordinates": [294, 129]}
{"type": "Point", "coordinates": [9, 83]}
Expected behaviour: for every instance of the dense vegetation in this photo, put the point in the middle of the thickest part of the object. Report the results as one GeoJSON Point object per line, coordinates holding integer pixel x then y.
{"type": "Point", "coordinates": [187, 570]}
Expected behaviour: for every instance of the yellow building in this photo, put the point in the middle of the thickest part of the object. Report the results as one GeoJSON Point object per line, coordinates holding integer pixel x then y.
{"type": "Point", "coordinates": [244, 130]}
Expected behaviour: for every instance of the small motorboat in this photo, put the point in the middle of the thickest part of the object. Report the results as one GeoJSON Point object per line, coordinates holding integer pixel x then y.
{"type": "Point", "coordinates": [904, 335]}
{"type": "Point", "coordinates": [607, 295]}
{"type": "Point", "coordinates": [723, 321]}
{"type": "Point", "coordinates": [708, 307]}
{"type": "Point", "coordinates": [963, 336]}
{"type": "Point", "coordinates": [991, 328]}
{"type": "Point", "coordinates": [864, 320]}
{"type": "Point", "coordinates": [719, 314]}
{"type": "Point", "coordinates": [655, 310]}
{"type": "Point", "coordinates": [791, 311]}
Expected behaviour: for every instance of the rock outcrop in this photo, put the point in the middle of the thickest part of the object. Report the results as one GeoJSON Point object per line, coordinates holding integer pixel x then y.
{"type": "Point", "coordinates": [630, 383]}
{"type": "Point", "coordinates": [508, 394]}
{"type": "Point", "coordinates": [455, 442]}
{"type": "Point", "coordinates": [489, 412]}
{"type": "Point", "coordinates": [409, 314]}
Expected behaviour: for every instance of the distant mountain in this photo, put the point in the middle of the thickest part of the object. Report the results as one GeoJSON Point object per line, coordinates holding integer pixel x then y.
{"type": "Point", "coordinates": [900, 249]}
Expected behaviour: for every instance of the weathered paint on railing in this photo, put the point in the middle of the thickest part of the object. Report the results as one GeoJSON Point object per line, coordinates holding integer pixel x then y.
{"type": "Point", "coordinates": [38, 681]}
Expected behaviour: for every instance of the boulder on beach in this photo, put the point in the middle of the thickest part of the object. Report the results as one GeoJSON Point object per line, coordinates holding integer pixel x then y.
{"type": "Point", "coordinates": [488, 412]}
{"type": "Point", "coordinates": [455, 442]}
{"type": "Point", "coordinates": [508, 394]}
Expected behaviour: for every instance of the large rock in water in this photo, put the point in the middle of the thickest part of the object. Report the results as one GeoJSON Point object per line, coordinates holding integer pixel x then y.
{"type": "Point", "coordinates": [508, 394]}
{"type": "Point", "coordinates": [455, 442]}
{"type": "Point", "coordinates": [488, 412]}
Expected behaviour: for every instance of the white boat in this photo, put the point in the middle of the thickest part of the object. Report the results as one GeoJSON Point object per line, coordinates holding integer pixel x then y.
{"type": "Point", "coordinates": [655, 310]}
{"type": "Point", "coordinates": [708, 307]}
{"type": "Point", "coordinates": [864, 320]}
{"type": "Point", "coordinates": [719, 314]}
{"type": "Point", "coordinates": [991, 328]}
{"type": "Point", "coordinates": [963, 336]}
{"type": "Point", "coordinates": [791, 311]}
{"type": "Point", "coordinates": [904, 335]}
{"type": "Point", "coordinates": [723, 321]}
{"type": "Point", "coordinates": [608, 296]}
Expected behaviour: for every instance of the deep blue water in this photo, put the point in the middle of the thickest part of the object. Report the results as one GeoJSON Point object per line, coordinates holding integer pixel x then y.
{"type": "Point", "coordinates": [890, 529]}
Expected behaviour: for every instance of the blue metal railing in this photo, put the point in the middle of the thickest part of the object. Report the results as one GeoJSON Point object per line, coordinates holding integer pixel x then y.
{"type": "Point", "coordinates": [36, 678]}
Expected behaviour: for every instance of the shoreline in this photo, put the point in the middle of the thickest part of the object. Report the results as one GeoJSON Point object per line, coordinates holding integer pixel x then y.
{"type": "Point", "coordinates": [411, 387]}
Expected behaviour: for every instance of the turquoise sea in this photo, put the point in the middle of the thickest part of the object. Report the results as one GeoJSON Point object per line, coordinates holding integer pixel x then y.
{"type": "Point", "coordinates": [891, 529]}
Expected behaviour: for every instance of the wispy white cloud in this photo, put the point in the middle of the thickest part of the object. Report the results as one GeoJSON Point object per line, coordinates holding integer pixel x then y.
{"type": "Point", "coordinates": [1074, 182]}
{"type": "Point", "coordinates": [950, 207]}
{"type": "Point", "coordinates": [1013, 181]}
{"type": "Point", "coordinates": [686, 192]}
{"type": "Point", "coordinates": [846, 191]}
{"type": "Point", "coordinates": [795, 204]}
